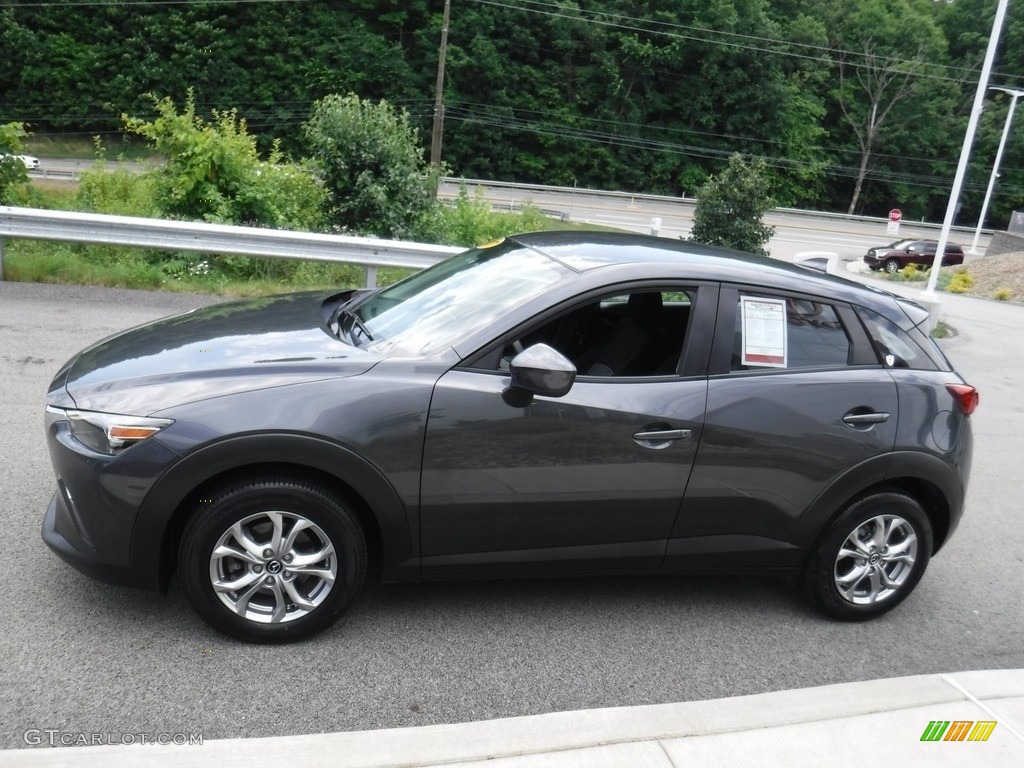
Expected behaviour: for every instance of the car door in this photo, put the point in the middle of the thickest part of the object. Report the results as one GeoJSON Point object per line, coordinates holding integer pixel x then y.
{"type": "Point", "coordinates": [792, 406]}
{"type": "Point", "coordinates": [588, 481]}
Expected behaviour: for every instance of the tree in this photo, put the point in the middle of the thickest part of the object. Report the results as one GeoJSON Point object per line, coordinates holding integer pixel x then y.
{"type": "Point", "coordinates": [12, 170]}
{"type": "Point", "coordinates": [885, 58]}
{"type": "Point", "coordinates": [731, 206]}
{"type": "Point", "coordinates": [372, 164]}
{"type": "Point", "coordinates": [213, 172]}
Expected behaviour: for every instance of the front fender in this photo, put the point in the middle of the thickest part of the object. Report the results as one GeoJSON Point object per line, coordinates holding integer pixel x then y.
{"type": "Point", "coordinates": [162, 512]}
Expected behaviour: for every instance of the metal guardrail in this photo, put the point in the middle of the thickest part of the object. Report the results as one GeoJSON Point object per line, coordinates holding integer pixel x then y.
{"type": "Point", "coordinates": [64, 226]}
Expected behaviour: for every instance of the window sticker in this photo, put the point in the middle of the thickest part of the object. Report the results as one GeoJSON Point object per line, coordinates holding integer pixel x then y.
{"type": "Point", "coordinates": [764, 331]}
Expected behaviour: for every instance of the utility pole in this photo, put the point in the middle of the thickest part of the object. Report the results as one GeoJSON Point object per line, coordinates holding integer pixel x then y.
{"type": "Point", "coordinates": [435, 139]}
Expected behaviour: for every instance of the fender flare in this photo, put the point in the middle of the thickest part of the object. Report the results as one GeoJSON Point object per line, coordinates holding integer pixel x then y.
{"type": "Point", "coordinates": [896, 468]}
{"type": "Point", "coordinates": [160, 509]}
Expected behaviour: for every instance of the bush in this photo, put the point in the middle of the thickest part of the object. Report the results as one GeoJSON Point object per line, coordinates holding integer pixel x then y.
{"type": "Point", "coordinates": [213, 172]}
{"type": "Point", "coordinates": [731, 206]}
{"type": "Point", "coordinates": [468, 222]}
{"type": "Point", "coordinates": [961, 282]}
{"type": "Point", "coordinates": [370, 160]}
{"type": "Point", "coordinates": [12, 170]}
{"type": "Point", "coordinates": [1002, 294]}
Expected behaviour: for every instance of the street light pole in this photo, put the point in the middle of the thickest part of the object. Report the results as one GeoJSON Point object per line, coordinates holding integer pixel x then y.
{"type": "Point", "coordinates": [965, 151]}
{"type": "Point", "coordinates": [1014, 95]}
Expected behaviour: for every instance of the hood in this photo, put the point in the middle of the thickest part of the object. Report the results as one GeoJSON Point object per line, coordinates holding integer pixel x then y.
{"type": "Point", "coordinates": [209, 352]}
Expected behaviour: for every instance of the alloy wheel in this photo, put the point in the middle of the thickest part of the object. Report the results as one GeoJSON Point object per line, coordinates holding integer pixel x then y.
{"type": "Point", "coordinates": [875, 560]}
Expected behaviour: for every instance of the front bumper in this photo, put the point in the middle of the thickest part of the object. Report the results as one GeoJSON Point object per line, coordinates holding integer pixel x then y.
{"type": "Point", "coordinates": [91, 519]}
{"type": "Point", "coordinates": [61, 534]}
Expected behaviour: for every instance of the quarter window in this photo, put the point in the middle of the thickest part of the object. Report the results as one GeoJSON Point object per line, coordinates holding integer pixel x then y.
{"type": "Point", "coordinates": [894, 346]}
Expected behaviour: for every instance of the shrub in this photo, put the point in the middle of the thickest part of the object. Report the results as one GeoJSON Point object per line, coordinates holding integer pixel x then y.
{"type": "Point", "coordinates": [372, 165]}
{"type": "Point", "coordinates": [470, 221]}
{"type": "Point", "coordinates": [1002, 294]}
{"type": "Point", "coordinates": [961, 282]}
{"type": "Point", "coordinates": [213, 172]}
{"type": "Point", "coordinates": [731, 206]}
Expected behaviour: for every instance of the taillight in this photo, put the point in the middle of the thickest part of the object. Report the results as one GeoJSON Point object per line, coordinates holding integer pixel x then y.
{"type": "Point", "coordinates": [965, 395]}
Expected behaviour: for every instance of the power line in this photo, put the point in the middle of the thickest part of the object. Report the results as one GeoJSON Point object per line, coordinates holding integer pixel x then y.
{"type": "Point", "coordinates": [635, 24]}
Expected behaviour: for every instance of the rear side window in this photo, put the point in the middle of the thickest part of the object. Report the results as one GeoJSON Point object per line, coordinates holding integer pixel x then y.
{"type": "Point", "coordinates": [787, 333]}
{"type": "Point", "coordinates": [897, 348]}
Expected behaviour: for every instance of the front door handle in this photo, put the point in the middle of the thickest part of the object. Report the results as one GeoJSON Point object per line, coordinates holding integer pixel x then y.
{"type": "Point", "coordinates": [660, 438]}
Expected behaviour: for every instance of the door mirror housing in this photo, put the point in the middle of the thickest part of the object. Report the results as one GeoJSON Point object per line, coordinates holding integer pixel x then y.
{"type": "Point", "coordinates": [539, 370]}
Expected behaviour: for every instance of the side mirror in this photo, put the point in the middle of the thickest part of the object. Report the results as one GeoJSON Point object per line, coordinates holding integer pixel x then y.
{"type": "Point", "coordinates": [539, 370]}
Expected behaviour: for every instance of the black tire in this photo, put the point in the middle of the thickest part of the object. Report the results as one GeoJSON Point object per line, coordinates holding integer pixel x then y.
{"type": "Point", "coordinates": [854, 588]}
{"type": "Point", "coordinates": [282, 596]}
{"type": "Point", "coordinates": [892, 266]}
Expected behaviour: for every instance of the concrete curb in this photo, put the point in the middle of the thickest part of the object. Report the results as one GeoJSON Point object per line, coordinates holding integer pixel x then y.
{"type": "Point", "coordinates": [785, 728]}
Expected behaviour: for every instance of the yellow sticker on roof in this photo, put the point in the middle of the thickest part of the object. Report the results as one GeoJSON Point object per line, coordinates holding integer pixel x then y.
{"type": "Point", "coordinates": [492, 243]}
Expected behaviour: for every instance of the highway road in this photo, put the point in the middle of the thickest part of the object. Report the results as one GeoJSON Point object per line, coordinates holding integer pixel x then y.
{"type": "Point", "coordinates": [83, 657]}
{"type": "Point", "coordinates": [796, 232]}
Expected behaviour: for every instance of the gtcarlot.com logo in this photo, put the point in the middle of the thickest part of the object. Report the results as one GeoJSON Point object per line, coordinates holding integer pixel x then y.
{"type": "Point", "coordinates": [958, 730]}
{"type": "Point", "coordinates": [36, 737]}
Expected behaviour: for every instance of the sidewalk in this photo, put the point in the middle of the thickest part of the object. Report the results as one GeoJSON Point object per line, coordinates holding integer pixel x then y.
{"type": "Point", "coordinates": [879, 722]}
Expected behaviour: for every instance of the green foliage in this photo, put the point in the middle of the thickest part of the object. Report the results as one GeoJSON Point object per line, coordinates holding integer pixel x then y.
{"type": "Point", "coordinates": [830, 93]}
{"type": "Point", "coordinates": [12, 170]}
{"type": "Point", "coordinates": [213, 172]}
{"type": "Point", "coordinates": [961, 282]}
{"type": "Point", "coordinates": [370, 160]}
{"type": "Point", "coordinates": [470, 221]}
{"type": "Point", "coordinates": [46, 262]}
{"type": "Point", "coordinates": [731, 206]}
{"type": "Point", "coordinates": [118, 191]}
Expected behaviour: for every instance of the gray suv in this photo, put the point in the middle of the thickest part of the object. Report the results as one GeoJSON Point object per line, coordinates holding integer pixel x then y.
{"type": "Point", "coordinates": [549, 404]}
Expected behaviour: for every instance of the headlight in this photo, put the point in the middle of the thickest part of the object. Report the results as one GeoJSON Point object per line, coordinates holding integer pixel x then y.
{"type": "Point", "coordinates": [108, 433]}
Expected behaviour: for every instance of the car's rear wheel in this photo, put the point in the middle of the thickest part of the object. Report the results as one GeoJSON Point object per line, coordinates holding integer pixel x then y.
{"type": "Point", "coordinates": [272, 561]}
{"type": "Point", "coordinates": [870, 558]}
{"type": "Point", "coordinates": [892, 266]}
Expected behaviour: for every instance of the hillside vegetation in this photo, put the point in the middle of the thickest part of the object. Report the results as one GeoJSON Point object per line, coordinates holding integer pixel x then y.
{"type": "Point", "coordinates": [853, 104]}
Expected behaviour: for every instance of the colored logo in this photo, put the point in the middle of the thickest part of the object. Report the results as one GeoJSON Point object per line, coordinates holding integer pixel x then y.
{"type": "Point", "coordinates": [958, 730]}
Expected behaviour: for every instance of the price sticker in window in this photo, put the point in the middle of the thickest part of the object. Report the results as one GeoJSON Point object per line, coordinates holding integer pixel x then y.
{"type": "Point", "coordinates": [764, 331]}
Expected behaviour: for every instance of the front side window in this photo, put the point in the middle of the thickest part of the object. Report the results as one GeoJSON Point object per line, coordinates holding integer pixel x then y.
{"type": "Point", "coordinates": [776, 332]}
{"type": "Point", "coordinates": [627, 334]}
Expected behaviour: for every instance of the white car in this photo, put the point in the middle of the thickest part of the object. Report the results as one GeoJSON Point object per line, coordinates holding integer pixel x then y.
{"type": "Point", "coordinates": [31, 163]}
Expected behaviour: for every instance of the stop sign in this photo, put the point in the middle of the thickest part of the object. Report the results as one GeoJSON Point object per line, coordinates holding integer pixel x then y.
{"type": "Point", "coordinates": [895, 215]}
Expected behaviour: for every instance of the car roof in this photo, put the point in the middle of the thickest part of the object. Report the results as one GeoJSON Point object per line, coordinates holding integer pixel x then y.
{"type": "Point", "coordinates": [586, 252]}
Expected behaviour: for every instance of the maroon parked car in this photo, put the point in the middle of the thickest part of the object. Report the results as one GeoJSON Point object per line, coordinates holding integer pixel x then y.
{"type": "Point", "coordinates": [894, 257]}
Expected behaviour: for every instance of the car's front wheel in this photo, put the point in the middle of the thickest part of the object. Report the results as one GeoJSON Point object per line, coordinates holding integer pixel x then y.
{"type": "Point", "coordinates": [272, 561]}
{"type": "Point", "coordinates": [870, 558]}
{"type": "Point", "coordinates": [892, 266]}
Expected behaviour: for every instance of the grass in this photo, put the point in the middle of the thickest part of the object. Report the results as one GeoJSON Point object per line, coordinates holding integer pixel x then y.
{"type": "Point", "coordinates": [65, 263]}
{"type": "Point", "coordinates": [121, 267]}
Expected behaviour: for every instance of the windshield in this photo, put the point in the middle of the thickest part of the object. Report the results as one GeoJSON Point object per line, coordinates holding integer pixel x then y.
{"type": "Point", "coordinates": [434, 308]}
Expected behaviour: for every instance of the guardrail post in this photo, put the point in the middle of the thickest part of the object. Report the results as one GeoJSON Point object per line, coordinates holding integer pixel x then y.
{"type": "Point", "coordinates": [1, 258]}
{"type": "Point", "coordinates": [371, 277]}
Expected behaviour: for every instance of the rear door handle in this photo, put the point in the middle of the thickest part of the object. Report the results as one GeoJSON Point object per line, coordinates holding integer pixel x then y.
{"type": "Point", "coordinates": [857, 419]}
{"type": "Point", "coordinates": [660, 438]}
